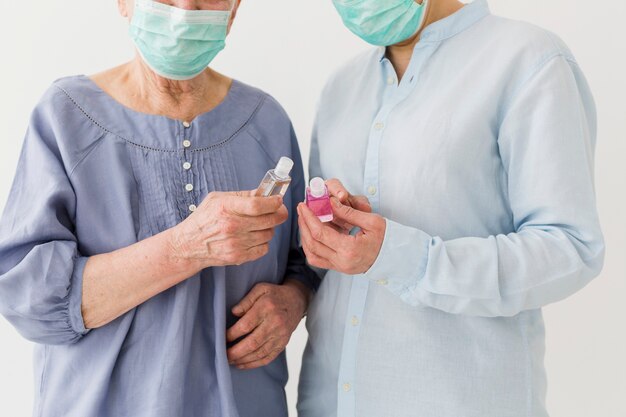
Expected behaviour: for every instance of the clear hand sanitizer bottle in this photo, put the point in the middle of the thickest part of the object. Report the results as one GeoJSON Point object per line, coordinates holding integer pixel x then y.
{"type": "Point", "coordinates": [318, 200]}
{"type": "Point", "coordinates": [276, 180]}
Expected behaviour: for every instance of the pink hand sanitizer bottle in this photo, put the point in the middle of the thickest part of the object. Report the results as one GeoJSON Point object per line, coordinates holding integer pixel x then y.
{"type": "Point", "coordinates": [318, 200]}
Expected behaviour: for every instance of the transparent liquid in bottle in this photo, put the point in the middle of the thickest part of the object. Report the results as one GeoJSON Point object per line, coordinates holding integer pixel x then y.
{"type": "Point", "coordinates": [277, 180]}
{"type": "Point", "coordinates": [272, 185]}
{"type": "Point", "coordinates": [318, 200]}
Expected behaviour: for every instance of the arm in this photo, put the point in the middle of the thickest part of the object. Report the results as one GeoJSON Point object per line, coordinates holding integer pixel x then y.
{"type": "Point", "coordinates": [226, 229]}
{"type": "Point", "coordinates": [546, 142]}
{"type": "Point", "coordinates": [40, 265]}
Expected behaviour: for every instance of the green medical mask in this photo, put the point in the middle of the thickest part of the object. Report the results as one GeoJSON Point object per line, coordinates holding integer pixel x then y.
{"type": "Point", "coordinates": [382, 22]}
{"type": "Point", "coordinates": [178, 44]}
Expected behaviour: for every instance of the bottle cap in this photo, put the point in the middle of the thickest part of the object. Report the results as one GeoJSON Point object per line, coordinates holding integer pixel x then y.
{"type": "Point", "coordinates": [317, 187]}
{"type": "Point", "coordinates": [283, 168]}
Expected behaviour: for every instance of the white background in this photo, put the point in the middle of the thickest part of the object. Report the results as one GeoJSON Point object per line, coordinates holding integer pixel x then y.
{"type": "Point", "coordinates": [288, 48]}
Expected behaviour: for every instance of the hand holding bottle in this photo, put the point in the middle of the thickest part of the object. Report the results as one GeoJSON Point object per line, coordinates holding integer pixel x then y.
{"type": "Point", "coordinates": [328, 248]}
{"type": "Point", "coordinates": [229, 229]}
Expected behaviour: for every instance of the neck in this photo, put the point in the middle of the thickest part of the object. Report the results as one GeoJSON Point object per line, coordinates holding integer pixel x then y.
{"type": "Point", "coordinates": [182, 100]}
{"type": "Point", "coordinates": [400, 54]}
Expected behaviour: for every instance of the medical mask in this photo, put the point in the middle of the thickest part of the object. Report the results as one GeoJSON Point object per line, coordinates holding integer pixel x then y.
{"type": "Point", "coordinates": [382, 22]}
{"type": "Point", "coordinates": [178, 44]}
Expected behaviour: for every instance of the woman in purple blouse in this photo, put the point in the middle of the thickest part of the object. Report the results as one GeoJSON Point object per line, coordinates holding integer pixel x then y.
{"type": "Point", "coordinates": [131, 249]}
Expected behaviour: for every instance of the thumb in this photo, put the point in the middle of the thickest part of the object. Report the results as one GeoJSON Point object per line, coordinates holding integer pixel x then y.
{"type": "Point", "coordinates": [361, 203]}
{"type": "Point", "coordinates": [350, 215]}
{"type": "Point", "coordinates": [244, 193]}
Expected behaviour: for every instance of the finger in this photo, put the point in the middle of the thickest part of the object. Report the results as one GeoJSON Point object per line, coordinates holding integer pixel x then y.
{"type": "Point", "coordinates": [319, 232]}
{"type": "Point", "coordinates": [266, 221]}
{"type": "Point", "coordinates": [256, 252]}
{"type": "Point", "coordinates": [220, 194]}
{"type": "Point", "coordinates": [252, 342]}
{"type": "Point", "coordinates": [351, 215]}
{"type": "Point", "coordinates": [247, 302]}
{"type": "Point", "coordinates": [360, 202]}
{"type": "Point", "coordinates": [258, 364]}
{"type": "Point", "coordinates": [340, 225]}
{"type": "Point", "coordinates": [252, 206]}
{"type": "Point", "coordinates": [318, 262]}
{"type": "Point", "coordinates": [244, 326]}
{"type": "Point", "coordinates": [336, 189]}
{"type": "Point", "coordinates": [312, 258]}
{"type": "Point", "coordinates": [343, 228]}
{"type": "Point", "coordinates": [262, 356]}
{"type": "Point", "coordinates": [269, 346]}
{"type": "Point", "coordinates": [312, 246]}
{"type": "Point", "coordinates": [247, 240]}
{"type": "Point", "coordinates": [243, 193]}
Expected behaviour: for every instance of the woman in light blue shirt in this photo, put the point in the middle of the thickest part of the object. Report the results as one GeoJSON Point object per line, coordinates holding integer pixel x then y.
{"type": "Point", "coordinates": [473, 140]}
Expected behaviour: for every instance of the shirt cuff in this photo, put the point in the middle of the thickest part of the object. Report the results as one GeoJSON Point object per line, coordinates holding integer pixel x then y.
{"type": "Point", "coordinates": [76, 297]}
{"type": "Point", "coordinates": [402, 259]}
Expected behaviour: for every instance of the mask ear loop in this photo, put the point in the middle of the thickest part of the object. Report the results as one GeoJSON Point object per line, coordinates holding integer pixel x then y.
{"type": "Point", "coordinates": [426, 6]}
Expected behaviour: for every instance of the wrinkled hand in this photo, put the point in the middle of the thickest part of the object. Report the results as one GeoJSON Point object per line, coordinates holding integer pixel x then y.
{"type": "Point", "coordinates": [359, 202]}
{"type": "Point", "coordinates": [229, 229]}
{"type": "Point", "coordinates": [327, 248]}
{"type": "Point", "coordinates": [269, 314]}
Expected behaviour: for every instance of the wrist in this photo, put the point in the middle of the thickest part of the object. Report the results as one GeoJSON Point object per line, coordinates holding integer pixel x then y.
{"type": "Point", "coordinates": [178, 253]}
{"type": "Point", "coordinates": [305, 294]}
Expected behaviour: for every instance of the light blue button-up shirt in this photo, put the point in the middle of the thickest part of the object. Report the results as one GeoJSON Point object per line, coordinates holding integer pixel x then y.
{"type": "Point", "coordinates": [481, 160]}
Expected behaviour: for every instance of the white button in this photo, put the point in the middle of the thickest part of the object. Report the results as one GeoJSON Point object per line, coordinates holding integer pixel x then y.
{"type": "Point", "coordinates": [192, 208]}
{"type": "Point", "coordinates": [347, 387]}
{"type": "Point", "coordinates": [186, 143]}
{"type": "Point", "coordinates": [355, 321]}
{"type": "Point", "coordinates": [187, 165]}
{"type": "Point", "coordinates": [189, 187]}
{"type": "Point", "coordinates": [186, 124]}
{"type": "Point", "coordinates": [371, 190]}
{"type": "Point", "coordinates": [382, 282]}
{"type": "Point", "coordinates": [379, 126]}
{"type": "Point", "coordinates": [391, 80]}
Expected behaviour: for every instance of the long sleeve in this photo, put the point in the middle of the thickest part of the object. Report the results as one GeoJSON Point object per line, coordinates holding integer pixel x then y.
{"type": "Point", "coordinates": [546, 143]}
{"type": "Point", "coordinates": [297, 267]}
{"type": "Point", "coordinates": [40, 266]}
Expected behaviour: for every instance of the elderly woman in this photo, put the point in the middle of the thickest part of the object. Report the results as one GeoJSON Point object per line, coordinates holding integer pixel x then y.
{"type": "Point", "coordinates": [151, 285]}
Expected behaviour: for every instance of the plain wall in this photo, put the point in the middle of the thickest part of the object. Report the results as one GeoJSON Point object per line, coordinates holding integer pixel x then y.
{"type": "Point", "coordinates": [288, 48]}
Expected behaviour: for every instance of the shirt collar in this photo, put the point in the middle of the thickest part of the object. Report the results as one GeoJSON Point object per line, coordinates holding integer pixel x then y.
{"type": "Point", "coordinates": [452, 25]}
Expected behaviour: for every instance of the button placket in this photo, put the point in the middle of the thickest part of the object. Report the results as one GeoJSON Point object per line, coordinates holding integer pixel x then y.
{"type": "Point", "coordinates": [358, 293]}
{"type": "Point", "coordinates": [186, 168]}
